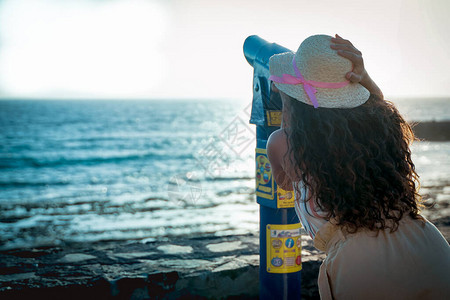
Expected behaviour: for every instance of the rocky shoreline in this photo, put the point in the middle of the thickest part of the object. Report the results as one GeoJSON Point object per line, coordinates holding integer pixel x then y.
{"type": "Point", "coordinates": [196, 268]}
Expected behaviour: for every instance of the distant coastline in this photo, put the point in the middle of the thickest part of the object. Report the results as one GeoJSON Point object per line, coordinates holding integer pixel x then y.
{"type": "Point", "coordinates": [432, 130]}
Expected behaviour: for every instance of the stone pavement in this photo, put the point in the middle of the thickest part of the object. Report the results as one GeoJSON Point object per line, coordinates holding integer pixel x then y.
{"type": "Point", "coordinates": [192, 268]}
{"type": "Point", "coordinates": [195, 268]}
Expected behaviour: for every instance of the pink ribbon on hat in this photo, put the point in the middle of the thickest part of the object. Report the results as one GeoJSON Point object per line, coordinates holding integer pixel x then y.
{"type": "Point", "coordinates": [308, 85]}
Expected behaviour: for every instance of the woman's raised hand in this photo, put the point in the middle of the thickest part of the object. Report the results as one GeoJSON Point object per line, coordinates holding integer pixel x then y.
{"type": "Point", "coordinates": [359, 74]}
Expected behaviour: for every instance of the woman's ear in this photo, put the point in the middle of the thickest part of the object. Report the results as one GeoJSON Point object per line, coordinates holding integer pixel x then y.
{"type": "Point", "coordinates": [274, 88]}
{"type": "Point", "coordinates": [285, 111]}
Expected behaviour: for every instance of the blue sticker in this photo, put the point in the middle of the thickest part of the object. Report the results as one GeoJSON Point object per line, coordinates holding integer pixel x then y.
{"type": "Point", "coordinates": [277, 262]}
{"type": "Point", "coordinates": [289, 243]}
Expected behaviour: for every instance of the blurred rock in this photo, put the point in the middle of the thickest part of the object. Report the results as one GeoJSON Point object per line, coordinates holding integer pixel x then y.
{"type": "Point", "coordinates": [432, 131]}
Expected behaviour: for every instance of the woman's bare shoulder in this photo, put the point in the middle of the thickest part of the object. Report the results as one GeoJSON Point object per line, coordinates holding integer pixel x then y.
{"type": "Point", "coordinates": [278, 141]}
{"type": "Point", "coordinates": [277, 150]}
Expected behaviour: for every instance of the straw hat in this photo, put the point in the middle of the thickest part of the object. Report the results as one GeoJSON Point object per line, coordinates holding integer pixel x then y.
{"type": "Point", "coordinates": [319, 66]}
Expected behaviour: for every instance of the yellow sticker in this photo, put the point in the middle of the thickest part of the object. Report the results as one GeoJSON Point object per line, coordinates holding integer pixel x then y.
{"type": "Point", "coordinates": [285, 198]}
{"type": "Point", "coordinates": [274, 117]}
{"type": "Point", "coordinates": [264, 180]}
{"type": "Point", "coordinates": [284, 248]}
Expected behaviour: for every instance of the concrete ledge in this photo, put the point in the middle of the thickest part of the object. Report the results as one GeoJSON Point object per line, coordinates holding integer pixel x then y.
{"type": "Point", "coordinates": [200, 268]}
{"type": "Point", "coordinates": [203, 268]}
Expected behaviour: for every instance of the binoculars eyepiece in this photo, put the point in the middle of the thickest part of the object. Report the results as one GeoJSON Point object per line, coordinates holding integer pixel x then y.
{"type": "Point", "coordinates": [258, 50]}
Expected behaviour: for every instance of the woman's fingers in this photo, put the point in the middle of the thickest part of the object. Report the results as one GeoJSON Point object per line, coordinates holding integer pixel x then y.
{"type": "Point", "coordinates": [345, 47]}
{"type": "Point", "coordinates": [353, 77]}
{"type": "Point", "coordinates": [340, 41]}
{"type": "Point", "coordinates": [356, 75]}
{"type": "Point", "coordinates": [353, 57]}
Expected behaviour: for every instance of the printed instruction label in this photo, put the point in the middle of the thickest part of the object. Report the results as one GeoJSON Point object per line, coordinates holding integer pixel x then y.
{"type": "Point", "coordinates": [285, 199]}
{"type": "Point", "coordinates": [274, 117]}
{"type": "Point", "coordinates": [264, 180]}
{"type": "Point", "coordinates": [284, 248]}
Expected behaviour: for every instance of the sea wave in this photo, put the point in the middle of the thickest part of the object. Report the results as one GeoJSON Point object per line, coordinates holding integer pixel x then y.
{"type": "Point", "coordinates": [87, 172]}
{"type": "Point", "coordinates": [38, 162]}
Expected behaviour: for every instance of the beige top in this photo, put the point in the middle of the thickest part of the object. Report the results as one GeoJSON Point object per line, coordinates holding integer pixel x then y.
{"type": "Point", "coordinates": [410, 263]}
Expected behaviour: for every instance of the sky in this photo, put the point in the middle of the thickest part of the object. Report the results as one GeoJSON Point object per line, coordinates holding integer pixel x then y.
{"type": "Point", "coordinates": [145, 49]}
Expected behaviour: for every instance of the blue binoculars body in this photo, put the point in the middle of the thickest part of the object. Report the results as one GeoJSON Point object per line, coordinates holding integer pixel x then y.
{"type": "Point", "coordinates": [280, 230]}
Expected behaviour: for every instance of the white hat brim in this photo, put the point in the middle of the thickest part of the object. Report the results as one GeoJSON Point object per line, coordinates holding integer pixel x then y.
{"type": "Point", "coordinates": [349, 96]}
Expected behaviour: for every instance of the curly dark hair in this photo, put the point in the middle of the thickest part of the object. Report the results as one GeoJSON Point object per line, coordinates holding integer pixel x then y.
{"type": "Point", "coordinates": [356, 162]}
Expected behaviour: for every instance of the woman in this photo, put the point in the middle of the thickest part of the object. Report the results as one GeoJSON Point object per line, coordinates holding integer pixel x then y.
{"type": "Point", "coordinates": [344, 150]}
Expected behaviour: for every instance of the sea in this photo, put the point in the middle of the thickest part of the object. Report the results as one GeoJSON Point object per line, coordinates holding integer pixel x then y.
{"type": "Point", "coordinates": [88, 171]}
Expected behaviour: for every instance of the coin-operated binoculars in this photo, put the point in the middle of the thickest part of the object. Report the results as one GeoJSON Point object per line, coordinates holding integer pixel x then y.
{"type": "Point", "coordinates": [280, 242]}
